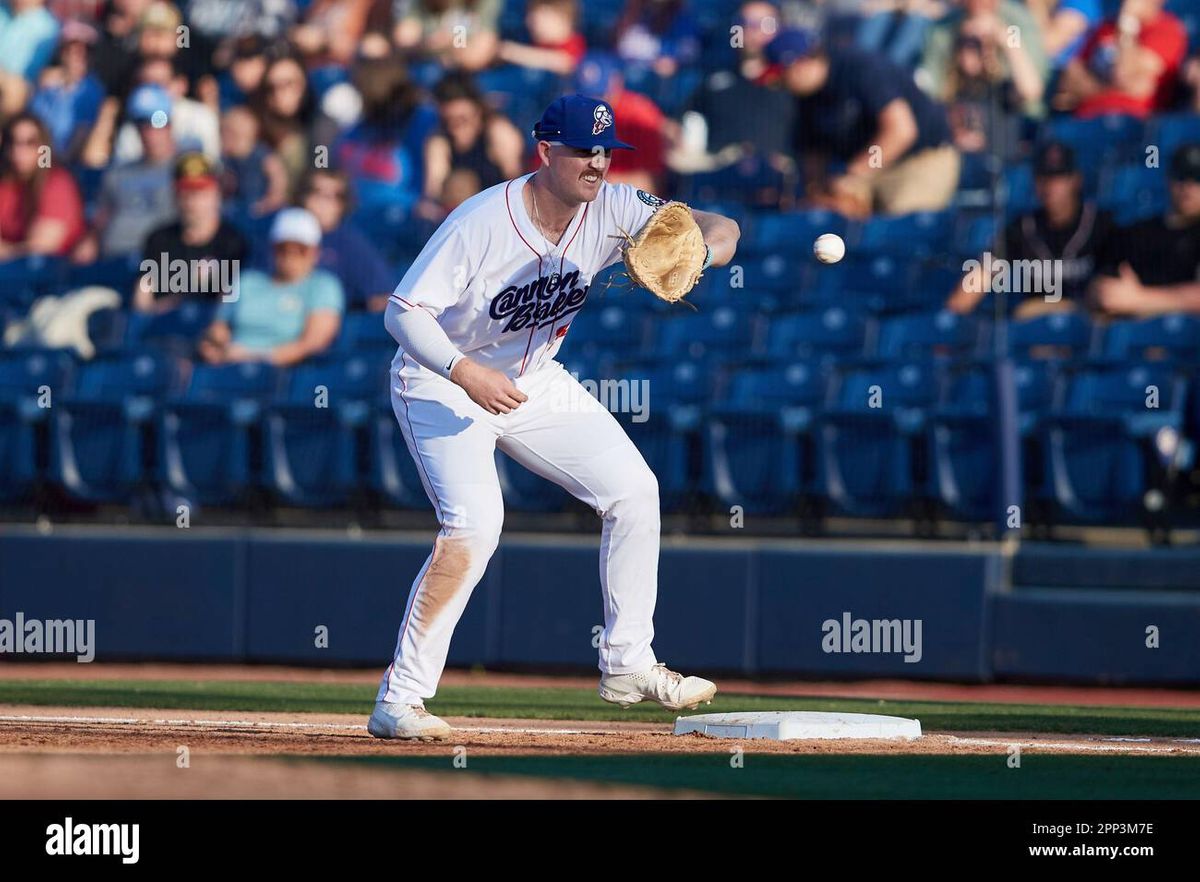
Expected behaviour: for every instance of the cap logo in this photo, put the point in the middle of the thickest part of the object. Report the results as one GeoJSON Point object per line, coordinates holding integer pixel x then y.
{"type": "Point", "coordinates": [603, 119]}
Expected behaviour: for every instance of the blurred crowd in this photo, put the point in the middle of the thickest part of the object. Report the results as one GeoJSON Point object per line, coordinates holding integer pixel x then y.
{"type": "Point", "coordinates": [281, 134]}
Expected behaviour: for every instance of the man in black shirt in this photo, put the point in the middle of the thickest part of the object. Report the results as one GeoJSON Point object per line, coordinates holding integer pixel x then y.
{"type": "Point", "coordinates": [1064, 230]}
{"type": "Point", "coordinates": [866, 112]}
{"type": "Point", "coordinates": [198, 256]}
{"type": "Point", "coordinates": [1153, 267]}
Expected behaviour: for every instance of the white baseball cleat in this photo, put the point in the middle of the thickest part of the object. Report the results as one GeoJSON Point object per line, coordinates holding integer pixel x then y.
{"type": "Point", "coordinates": [670, 689]}
{"type": "Point", "coordinates": [409, 721]}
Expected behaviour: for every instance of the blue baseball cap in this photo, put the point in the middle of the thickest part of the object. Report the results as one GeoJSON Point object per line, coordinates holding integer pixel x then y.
{"type": "Point", "coordinates": [792, 45]}
{"type": "Point", "coordinates": [150, 103]}
{"type": "Point", "coordinates": [579, 121]}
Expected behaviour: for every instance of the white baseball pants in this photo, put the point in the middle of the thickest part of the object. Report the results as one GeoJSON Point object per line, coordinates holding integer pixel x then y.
{"type": "Point", "coordinates": [560, 433]}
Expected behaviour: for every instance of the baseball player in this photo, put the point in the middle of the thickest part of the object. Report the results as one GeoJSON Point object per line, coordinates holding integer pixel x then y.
{"type": "Point", "coordinates": [479, 318]}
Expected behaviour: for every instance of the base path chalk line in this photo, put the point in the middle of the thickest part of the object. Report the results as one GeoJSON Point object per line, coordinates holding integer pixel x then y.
{"type": "Point", "coordinates": [266, 724]}
{"type": "Point", "coordinates": [1110, 745]}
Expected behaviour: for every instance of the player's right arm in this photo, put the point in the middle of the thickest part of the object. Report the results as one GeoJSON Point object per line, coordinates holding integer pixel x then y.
{"type": "Point", "coordinates": [437, 279]}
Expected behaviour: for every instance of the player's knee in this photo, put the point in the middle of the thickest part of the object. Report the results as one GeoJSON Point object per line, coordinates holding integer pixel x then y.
{"type": "Point", "coordinates": [638, 497]}
{"type": "Point", "coordinates": [480, 531]}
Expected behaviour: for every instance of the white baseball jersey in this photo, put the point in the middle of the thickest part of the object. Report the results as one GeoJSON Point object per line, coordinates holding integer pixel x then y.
{"type": "Point", "coordinates": [502, 293]}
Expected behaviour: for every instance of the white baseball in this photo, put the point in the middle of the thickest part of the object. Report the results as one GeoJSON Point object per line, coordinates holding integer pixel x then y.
{"type": "Point", "coordinates": [829, 248]}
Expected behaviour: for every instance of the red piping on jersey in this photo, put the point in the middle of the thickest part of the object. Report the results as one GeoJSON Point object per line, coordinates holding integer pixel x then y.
{"type": "Point", "coordinates": [536, 254]}
{"type": "Point", "coordinates": [415, 305]}
{"type": "Point", "coordinates": [562, 258]}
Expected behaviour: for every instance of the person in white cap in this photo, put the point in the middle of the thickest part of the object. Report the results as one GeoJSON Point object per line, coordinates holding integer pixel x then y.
{"type": "Point", "coordinates": [282, 318]}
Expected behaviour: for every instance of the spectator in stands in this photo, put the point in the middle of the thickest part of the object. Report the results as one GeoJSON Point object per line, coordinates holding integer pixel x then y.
{"type": "Point", "coordinates": [1064, 228]}
{"type": "Point", "coordinates": [137, 197]}
{"type": "Point", "coordinates": [1130, 64]}
{"type": "Point", "coordinates": [473, 141]}
{"type": "Point", "coordinates": [982, 102]}
{"type": "Point", "coordinates": [115, 56]}
{"type": "Point", "coordinates": [897, 28]}
{"type": "Point", "coordinates": [28, 37]}
{"type": "Point", "coordinates": [557, 45]}
{"type": "Point", "coordinates": [366, 278]}
{"type": "Point", "coordinates": [1065, 25]}
{"type": "Point", "coordinates": [331, 31]}
{"type": "Point", "coordinates": [639, 123]}
{"type": "Point", "coordinates": [659, 34]}
{"type": "Point", "coordinates": [1190, 82]}
{"type": "Point", "coordinates": [41, 211]}
{"type": "Point", "coordinates": [865, 112]}
{"type": "Point", "coordinates": [383, 153]}
{"type": "Point", "coordinates": [290, 123]}
{"type": "Point", "coordinates": [760, 21]}
{"type": "Point", "coordinates": [194, 124]}
{"type": "Point", "coordinates": [253, 179]}
{"type": "Point", "coordinates": [1153, 267]}
{"type": "Point", "coordinates": [159, 37]}
{"type": "Point", "coordinates": [226, 21]}
{"type": "Point", "coordinates": [212, 248]}
{"type": "Point", "coordinates": [69, 95]}
{"type": "Point", "coordinates": [1011, 44]}
{"type": "Point", "coordinates": [454, 33]}
{"type": "Point", "coordinates": [733, 112]}
{"type": "Point", "coordinates": [282, 318]}
{"type": "Point", "coordinates": [243, 73]}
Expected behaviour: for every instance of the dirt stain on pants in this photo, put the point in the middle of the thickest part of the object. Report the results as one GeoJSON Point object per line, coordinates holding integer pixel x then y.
{"type": "Point", "coordinates": [444, 578]}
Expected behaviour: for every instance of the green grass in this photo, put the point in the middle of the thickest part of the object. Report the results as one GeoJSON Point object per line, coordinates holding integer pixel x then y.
{"type": "Point", "coordinates": [1040, 776]}
{"type": "Point", "coordinates": [584, 704]}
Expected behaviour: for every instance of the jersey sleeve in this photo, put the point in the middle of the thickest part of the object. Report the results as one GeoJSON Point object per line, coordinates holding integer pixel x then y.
{"type": "Point", "coordinates": [628, 209]}
{"type": "Point", "coordinates": [440, 275]}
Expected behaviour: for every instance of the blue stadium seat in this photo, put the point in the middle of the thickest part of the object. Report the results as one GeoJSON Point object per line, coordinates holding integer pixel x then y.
{"type": "Point", "coordinates": [615, 327]}
{"type": "Point", "coordinates": [878, 283]}
{"type": "Point", "coordinates": [111, 330]}
{"type": "Point", "coordinates": [790, 232]}
{"type": "Point", "coordinates": [1098, 440]}
{"type": "Point", "coordinates": [868, 436]}
{"type": "Point", "coordinates": [750, 181]}
{"type": "Point", "coordinates": [976, 236]}
{"type": "Point", "coordinates": [30, 382]}
{"type": "Point", "coordinates": [963, 445]}
{"type": "Point", "coordinates": [205, 436]}
{"type": "Point", "coordinates": [724, 330]}
{"type": "Point", "coordinates": [364, 332]}
{"type": "Point", "coordinates": [1173, 337]}
{"type": "Point", "coordinates": [310, 438]}
{"type": "Point", "coordinates": [1169, 131]}
{"type": "Point", "coordinates": [1100, 141]}
{"type": "Point", "coordinates": [827, 334]}
{"type": "Point", "coordinates": [98, 450]}
{"type": "Point", "coordinates": [668, 432]}
{"type": "Point", "coordinates": [1133, 193]}
{"type": "Point", "coordinates": [177, 331]}
{"type": "Point", "coordinates": [922, 233]}
{"type": "Point", "coordinates": [942, 334]}
{"type": "Point", "coordinates": [1055, 335]}
{"type": "Point", "coordinates": [24, 279]}
{"type": "Point", "coordinates": [1018, 186]}
{"type": "Point", "coordinates": [758, 452]}
{"type": "Point", "coordinates": [393, 474]}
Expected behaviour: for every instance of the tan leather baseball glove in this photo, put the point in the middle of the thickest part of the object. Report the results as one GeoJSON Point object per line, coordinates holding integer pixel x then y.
{"type": "Point", "coordinates": [667, 255]}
